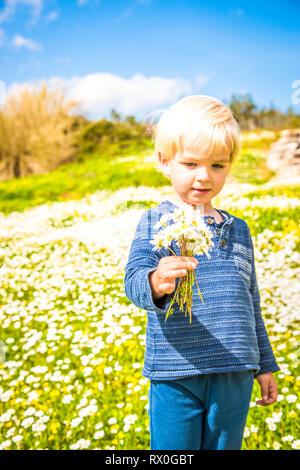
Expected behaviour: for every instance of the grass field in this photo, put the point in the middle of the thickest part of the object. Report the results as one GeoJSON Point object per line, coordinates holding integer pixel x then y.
{"type": "Point", "coordinates": [75, 344]}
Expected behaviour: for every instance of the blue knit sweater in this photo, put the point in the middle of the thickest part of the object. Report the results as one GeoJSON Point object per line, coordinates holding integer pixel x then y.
{"type": "Point", "coordinates": [227, 332]}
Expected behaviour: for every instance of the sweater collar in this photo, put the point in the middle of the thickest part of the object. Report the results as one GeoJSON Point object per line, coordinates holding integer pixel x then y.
{"type": "Point", "coordinates": [229, 219]}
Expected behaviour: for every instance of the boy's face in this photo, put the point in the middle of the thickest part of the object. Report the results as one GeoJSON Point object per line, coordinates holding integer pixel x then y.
{"type": "Point", "coordinates": [194, 170]}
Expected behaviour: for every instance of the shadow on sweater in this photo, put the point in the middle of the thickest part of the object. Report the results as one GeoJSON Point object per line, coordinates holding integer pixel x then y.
{"type": "Point", "coordinates": [224, 357]}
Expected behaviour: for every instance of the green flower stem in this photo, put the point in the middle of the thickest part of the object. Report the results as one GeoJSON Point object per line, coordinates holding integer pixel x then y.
{"type": "Point", "coordinates": [184, 292]}
{"type": "Point", "coordinates": [172, 251]}
{"type": "Point", "coordinates": [198, 288]}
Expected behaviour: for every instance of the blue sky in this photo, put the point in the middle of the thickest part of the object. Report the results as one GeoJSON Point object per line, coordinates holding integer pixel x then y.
{"type": "Point", "coordinates": [139, 56]}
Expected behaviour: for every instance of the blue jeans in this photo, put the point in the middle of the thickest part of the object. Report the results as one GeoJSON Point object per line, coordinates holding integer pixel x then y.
{"type": "Point", "coordinates": [202, 412]}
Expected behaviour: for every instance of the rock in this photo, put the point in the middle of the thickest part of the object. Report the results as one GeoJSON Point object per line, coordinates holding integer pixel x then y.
{"type": "Point", "coordinates": [284, 154]}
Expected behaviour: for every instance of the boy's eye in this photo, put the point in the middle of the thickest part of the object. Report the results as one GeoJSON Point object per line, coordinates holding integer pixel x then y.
{"type": "Point", "coordinates": [191, 164]}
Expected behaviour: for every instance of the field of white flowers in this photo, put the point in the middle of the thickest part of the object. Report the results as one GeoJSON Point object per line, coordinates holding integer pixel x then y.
{"type": "Point", "coordinates": [73, 344]}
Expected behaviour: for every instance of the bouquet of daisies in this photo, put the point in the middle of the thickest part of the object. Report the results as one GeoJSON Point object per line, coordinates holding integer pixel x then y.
{"type": "Point", "coordinates": [192, 236]}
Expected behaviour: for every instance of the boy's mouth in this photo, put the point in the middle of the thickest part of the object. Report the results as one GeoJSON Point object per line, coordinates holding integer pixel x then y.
{"type": "Point", "coordinates": [201, 191]}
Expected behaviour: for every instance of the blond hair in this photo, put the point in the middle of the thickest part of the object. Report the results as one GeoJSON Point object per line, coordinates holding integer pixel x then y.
{"type": "Point", "coordinates": [201, 121]}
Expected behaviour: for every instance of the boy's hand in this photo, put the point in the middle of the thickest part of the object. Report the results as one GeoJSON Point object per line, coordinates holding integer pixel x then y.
{"type": "Point", "coordinates": [268, 387]}
{"type": "Point", "coordinates": [169, 268]}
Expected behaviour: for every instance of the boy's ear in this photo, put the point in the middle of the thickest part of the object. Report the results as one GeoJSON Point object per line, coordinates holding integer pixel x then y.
{"type": "Point", "coordinates": [160, 158]}
{"type": "Point", "coordinates": [164, 165]}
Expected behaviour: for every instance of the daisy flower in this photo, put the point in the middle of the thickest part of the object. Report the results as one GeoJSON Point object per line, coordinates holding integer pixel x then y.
{"type": "Point", "coordinates": [192, 236]}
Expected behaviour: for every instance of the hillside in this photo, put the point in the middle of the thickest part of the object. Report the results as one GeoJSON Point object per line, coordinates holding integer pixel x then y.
{"type": "Point", "coordinates": [123, 161]}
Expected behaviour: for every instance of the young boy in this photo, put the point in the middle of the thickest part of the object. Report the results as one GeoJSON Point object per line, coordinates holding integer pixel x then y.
{"type": "Point", "coordinates": [201, 373]}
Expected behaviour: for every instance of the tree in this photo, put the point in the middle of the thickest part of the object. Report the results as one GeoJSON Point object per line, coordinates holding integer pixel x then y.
{"type": "Point", "coordinates": [243, 107]}
{"type": "Point", "coordinates": [35, 133]}
{"type": "Point", "coordinates": [115, 116]}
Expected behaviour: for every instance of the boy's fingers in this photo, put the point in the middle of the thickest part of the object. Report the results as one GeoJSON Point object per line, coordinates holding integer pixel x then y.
{"type": "Point", "coordinates": [177, 267]}
{"type": "Point", "coordinates": [170, 262]}
{"type": "Point", "coordinates": [167, 288]}
{"type": "Point", "coordinates": [173, 268]}
{"type": "Point", "coordinates": [264, 392]}
{"type": "Point", "coordinates": [273, 393]}
{"type": "Point", "coordinates": [262, 403]}
{"type": "Point", "coordinates": [264, 388]}
{"type": "Point", "coordinates": [268, 394]}
{"type": "Point", "coordinates": [265, 402]}
{"type": "Point", "coordinates": [174, 274]}
{"type": "Point", "coordinates": [189, 258]}
{"type": "Point", "coordinates": [184, 264]}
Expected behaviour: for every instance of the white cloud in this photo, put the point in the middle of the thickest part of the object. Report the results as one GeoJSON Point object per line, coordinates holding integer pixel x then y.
{"type": "Point", "coordinates": [200, 80]}
{"type": "Point", "coordinates": [20, 41]}
{"type": "Point", "coordinates": [10, 7]}
{"type": "Point", "coordinates": [137, 95]}
{"type": "Point", "coordinates": [100, 92]}
{"type": "Point", "coordinates": [52, 16]}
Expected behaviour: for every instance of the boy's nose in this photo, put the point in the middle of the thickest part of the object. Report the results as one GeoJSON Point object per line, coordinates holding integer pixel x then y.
{"type": "Point", "coordinates": [202, 179]}
{"type": "Point", "coordinates": [202, 171]}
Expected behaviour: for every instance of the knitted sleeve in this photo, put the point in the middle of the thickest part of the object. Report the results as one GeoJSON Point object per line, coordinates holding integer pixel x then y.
{"type": "Point", "coordinates": [267, 360]}
{"type": "Point", "coordinates": [142, 261]}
